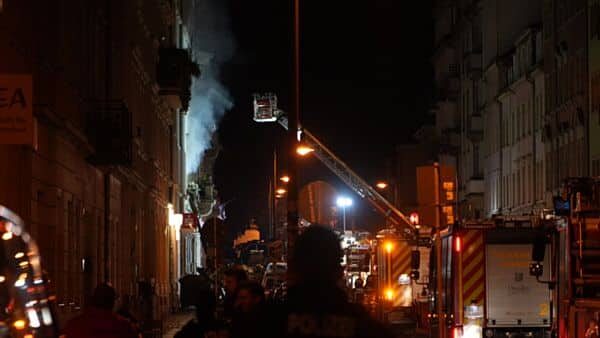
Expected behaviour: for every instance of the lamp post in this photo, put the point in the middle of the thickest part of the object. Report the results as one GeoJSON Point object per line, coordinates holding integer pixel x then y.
{"type": "Point", "coordinates": [292, 136]}
{"type": "Point", "coordinates": [344, 202]}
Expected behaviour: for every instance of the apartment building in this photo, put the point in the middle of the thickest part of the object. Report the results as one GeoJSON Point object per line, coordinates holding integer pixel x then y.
{"type": "Point", "coordinates": [447, 81]}
{"type": "Point", "coordinates": [567, 119]}
{"type": "Point", "coordinates": [518, 147]}
{"type": "Point", "coordinates": [95, 182]}
{"type": "Point", "coordinates": [489, 56]}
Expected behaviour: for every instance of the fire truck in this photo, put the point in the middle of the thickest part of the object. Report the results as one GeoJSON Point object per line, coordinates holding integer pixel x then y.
{"type": "Point", "coordinates": [485, 286]}
{"type": "Point", "coordinates": [400, 297]}
{"type": "Point", "coordinates": [573, 232]}
{"type": "Point", "coordinates": [26, 301]}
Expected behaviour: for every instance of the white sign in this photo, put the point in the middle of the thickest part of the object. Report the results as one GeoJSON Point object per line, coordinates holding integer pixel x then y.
{"type": "Point", "coordinates": [16, 111]}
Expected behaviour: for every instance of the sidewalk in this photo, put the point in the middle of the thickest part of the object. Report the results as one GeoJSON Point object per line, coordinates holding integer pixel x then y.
{"type": "Point", "coordinates": [175, 322]}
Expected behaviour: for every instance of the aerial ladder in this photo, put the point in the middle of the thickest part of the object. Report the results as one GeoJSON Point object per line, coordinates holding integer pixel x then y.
{"type": "Point", "coordinates": [266, 110]}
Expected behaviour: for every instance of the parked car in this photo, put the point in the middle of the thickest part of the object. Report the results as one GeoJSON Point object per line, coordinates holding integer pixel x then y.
{"type": "Point", "coordinates": [274, 276]}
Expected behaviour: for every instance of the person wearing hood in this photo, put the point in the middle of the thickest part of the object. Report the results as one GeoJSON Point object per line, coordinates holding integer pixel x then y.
{"type": "Point", "coordinates": [316, 305]}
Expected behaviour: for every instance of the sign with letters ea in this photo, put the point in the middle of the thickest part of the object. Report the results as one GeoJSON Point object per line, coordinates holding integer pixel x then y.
{"type": "Point", "coordinates": [16, 111]}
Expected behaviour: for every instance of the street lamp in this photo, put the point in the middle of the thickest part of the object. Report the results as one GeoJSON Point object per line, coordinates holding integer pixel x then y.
{"type": "Point", "coordinates": [280, 191]}
{"type": "Point", "coordinates": [344, 202]}
{"type": "Point", "coordinates": [285, 179]}
{"type": "Point", "coordinates": [381, 185]}
{"type": "Point", "coordinates": [304, 150]}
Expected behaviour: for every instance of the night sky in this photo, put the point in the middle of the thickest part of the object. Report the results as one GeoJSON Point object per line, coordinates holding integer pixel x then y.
{"type": "Point", "coordinates": [367, 83]}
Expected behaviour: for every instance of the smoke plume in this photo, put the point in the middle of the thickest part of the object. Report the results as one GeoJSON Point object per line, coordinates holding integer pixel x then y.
{"type": "Point", "coordinates": [211, 45]}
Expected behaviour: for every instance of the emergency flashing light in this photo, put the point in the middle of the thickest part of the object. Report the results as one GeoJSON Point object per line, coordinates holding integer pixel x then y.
{"type": "Point", "coordinates": [19, 324]}
{"type": "Point", "coordinates": [389, 294]}
{"type": "Point", "coordinates": [457, 244]}
{"type": "Point", "coordinates": [389, 246]}
{"type": "Point", "coordinates": [414, 218]}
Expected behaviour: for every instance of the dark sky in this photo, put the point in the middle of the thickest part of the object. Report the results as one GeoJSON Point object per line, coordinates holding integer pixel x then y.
{"type": "Point", "coordinates": [366, 87]}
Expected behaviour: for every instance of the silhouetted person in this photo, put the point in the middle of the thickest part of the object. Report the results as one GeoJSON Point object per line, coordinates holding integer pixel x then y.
{"type": "Point", "coordinates": [316, 305]}
{"type": "Point", "coordinates": [98, 320]}
{"type": "Point", "coordinates": [233, 277]}
{"type": "Point", "coordinates": [205, 324]}
{"type": "Point", "coordinates": [125, 312]}
{"type": "Point", "coordinates": [250, 312]}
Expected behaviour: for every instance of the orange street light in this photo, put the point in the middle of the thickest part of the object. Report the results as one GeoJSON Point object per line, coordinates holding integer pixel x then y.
{"type": "Point", "coordinates": [304, 150]}
{"type": "Point", "coordinates": [381, 185]}
{"type": "Point", "coordinates": [284, 179]}
{"type": "Point", "coordinates": [280, 191]}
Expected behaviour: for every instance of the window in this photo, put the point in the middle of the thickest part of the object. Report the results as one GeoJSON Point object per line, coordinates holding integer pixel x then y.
{"type": "Point", "coordinates": [453, 69]}
{"type": "Point", "coordinates": [528, 117]}
{"type": "Point", "coordinates": [467, 107]}
{"type": "Point", "coordinates": [476, 160]}
{"type": "Point", "coordinates": [523, 120]}
{"type": "Point", "coordinates": [515, 130]}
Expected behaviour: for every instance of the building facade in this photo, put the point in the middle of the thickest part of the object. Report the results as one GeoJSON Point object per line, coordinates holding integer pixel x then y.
{"type": "Point", "coordinates": [567, 119]}
{"type": "Point", "coordinates": [517, 149]}
{"type": "Point", "coordinates": [510, 137]}
{"type": "Point", "coordinates": [110, 90]}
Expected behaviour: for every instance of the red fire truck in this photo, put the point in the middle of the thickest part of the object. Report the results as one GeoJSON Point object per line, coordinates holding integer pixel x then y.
{"type": "Point", "coordinates": [573, 231]}
{"type": "Point", "coordinates": [486, 286]}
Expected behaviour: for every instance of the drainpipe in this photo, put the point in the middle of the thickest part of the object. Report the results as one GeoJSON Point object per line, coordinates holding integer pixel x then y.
{"type": "Point", "coordinates": [534, 143]}
{"type": "Point", "coordinates": [502, 204]}
{"type": "Point", "coordinates": [107, 192]}
{"type": "Point", "coordinates": [106, 226]}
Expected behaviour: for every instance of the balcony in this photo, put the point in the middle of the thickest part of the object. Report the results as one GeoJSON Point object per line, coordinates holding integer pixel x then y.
{"type": "Point", "coordinates": [108, 127]}
{"type": "Point", "coordinates": [174, 73]}
{"type": "Point", "coordinates": [475, 128]}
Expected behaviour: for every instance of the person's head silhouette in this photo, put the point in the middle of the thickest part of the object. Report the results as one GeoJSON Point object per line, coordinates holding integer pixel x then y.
{"type": "Point", "coordinates": [104, 296]}
{"type": "Point", "coordinates": [316, 257]}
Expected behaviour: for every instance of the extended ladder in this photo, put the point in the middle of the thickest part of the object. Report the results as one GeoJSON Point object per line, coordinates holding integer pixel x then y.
{"type": "Point", "coordinates": [265, 110]}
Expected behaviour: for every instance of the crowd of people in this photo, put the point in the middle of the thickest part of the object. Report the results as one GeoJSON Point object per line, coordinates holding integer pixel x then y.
{"type": "Point", "coordinates": [315, 305]}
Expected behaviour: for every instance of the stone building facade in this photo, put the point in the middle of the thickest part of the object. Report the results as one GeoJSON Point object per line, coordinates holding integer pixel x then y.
{"type": "Point", "coordinates": [110, 92]}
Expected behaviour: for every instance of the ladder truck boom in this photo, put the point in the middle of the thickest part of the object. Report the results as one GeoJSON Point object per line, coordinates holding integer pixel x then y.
{"type": "Point", "coordinates": [265, 110]}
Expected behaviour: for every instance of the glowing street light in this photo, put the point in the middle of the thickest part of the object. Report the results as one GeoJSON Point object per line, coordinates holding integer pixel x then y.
{"type": "Point", "coordinates": [304, 150]}
{"type": "Point", "coordinates": [344, 202]}
{"type": "Point", "coordinates": [280, 191]}
{"type": "Point", "coordinates": [285, 179]}
{"type": "Point", "coordinates": [381, 185]}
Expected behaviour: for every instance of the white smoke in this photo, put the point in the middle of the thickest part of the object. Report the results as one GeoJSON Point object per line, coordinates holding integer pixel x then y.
{"type": "Point", "coordinates": [212, 44]}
